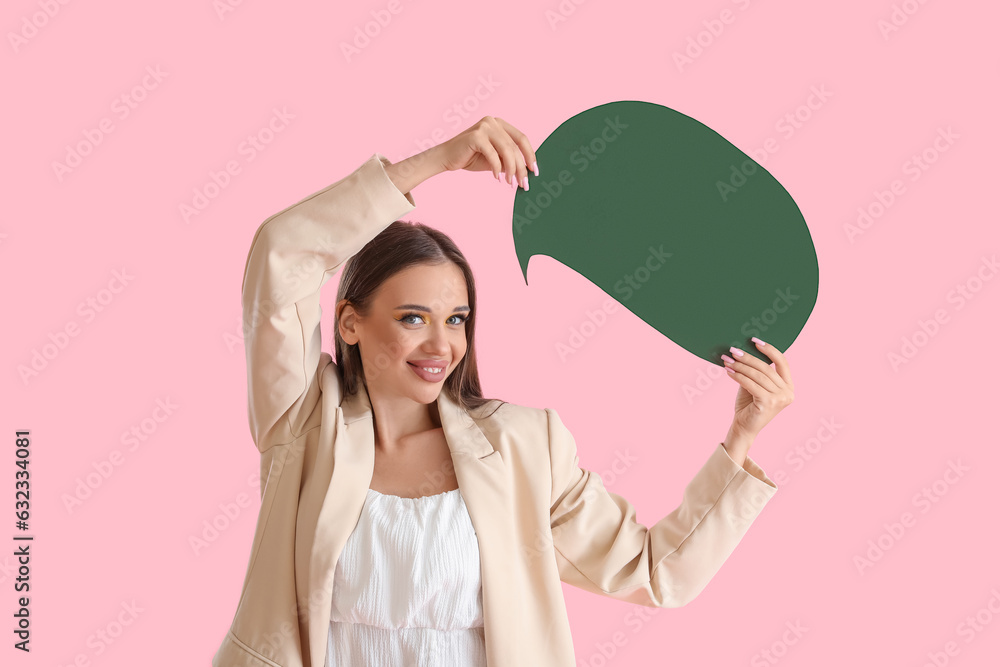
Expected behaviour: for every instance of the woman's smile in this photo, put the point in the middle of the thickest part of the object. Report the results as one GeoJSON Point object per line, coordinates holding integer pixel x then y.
{"type": "Point", "coordinates": [428, 369]}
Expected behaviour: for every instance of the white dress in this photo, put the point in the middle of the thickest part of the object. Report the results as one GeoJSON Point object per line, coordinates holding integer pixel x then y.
{"type": "Point", "coordinates": [407, 590]}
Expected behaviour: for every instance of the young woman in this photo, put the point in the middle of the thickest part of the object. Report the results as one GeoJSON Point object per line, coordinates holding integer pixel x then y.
{"type": "Point", "coordinates": [405, 519]}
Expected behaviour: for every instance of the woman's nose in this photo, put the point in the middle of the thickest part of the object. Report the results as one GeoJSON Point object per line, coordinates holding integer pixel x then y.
{"type": "Point", "coordinates": [437, 339]}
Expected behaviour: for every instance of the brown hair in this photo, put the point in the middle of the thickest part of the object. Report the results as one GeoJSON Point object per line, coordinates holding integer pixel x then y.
{"type": "Point", "coordinates": [399, 246]}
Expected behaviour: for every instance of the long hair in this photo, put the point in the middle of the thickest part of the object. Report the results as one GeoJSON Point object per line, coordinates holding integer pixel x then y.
{"type": "Point", "coordinates": [399, 246]}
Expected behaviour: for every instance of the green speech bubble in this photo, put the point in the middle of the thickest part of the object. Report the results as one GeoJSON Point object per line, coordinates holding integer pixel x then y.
{"type": "Point", "coordinates": [675, 223]}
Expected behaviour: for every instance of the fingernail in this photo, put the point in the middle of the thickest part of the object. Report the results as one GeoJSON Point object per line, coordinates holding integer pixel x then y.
{"type": "Point", "coordinates": [729, 359]}
{"type": "Point", "coordinates": [736, 351]}
{"type": "Point", "coordinates": [525, 184]}
{"type": "Point", "coordinates": [534, 167]}
{"type": "Point", "coordinates": [758, 341]}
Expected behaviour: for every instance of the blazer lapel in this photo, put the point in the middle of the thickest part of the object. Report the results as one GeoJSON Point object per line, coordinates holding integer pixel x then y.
{"type": "Point", "coordinates": [485, 483]}
{"type": "Point", "coordinates": [485, 486]}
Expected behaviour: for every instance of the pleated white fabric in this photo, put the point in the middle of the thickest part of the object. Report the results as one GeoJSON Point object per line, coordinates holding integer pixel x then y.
{"type": "Point", "coordinates": [407, 589]}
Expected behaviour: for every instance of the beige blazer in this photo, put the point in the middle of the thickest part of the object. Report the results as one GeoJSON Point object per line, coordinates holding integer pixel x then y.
{"type": "Point", "coordinates": [539, 518]}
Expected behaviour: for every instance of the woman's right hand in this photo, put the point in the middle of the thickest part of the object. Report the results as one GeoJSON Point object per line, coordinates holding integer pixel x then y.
{"type": "Point", "coordinates": [491, 144]}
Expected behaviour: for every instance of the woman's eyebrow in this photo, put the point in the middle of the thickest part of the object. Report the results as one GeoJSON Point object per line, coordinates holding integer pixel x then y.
{"type": "Point", "coordinates": [425, 309]}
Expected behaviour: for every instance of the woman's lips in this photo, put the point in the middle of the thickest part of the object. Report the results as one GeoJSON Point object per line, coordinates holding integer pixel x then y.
{"type": "Point", "coordinates": [430, 376]}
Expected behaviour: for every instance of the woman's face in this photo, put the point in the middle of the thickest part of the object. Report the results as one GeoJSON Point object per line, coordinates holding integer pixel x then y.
{"type": "Point", "coordinates": [416, 322]}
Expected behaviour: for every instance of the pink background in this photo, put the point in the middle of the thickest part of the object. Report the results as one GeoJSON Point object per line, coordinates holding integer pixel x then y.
{"type": "Point", "coordinates": [172, 333]}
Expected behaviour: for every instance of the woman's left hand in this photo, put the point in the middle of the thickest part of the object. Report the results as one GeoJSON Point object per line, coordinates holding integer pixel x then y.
{"type": "Point", "coordinates": [764, 391]}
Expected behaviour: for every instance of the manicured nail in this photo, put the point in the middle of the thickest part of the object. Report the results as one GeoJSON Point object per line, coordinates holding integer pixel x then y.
{"type": "Point", "coordinates": [534, 167]}
{"type": "Point", "coordinates": [525, 183]}
{"type": "Point", "coordinates": [729, 359]}
{"type": "Point", "coordinates": [737, 352]}
{"type": "Point", "coordinates": [758, 341]}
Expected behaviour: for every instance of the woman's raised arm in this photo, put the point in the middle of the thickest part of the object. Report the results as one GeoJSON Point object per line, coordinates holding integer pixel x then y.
{"type": "Point", "coordinates": [293, 254]}
{"type": "Point", "coordinates": [601, 547]}
{"type": "Point", "coordinates": [297, 250]}
{"type": "Point", "coordinates": [492, 144]}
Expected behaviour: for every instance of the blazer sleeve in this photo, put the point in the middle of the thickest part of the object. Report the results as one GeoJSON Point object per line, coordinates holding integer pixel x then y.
{"type": "Point", "coordinates": [293, 254]}
{"type": "Point", "coordinates": [601, 548]}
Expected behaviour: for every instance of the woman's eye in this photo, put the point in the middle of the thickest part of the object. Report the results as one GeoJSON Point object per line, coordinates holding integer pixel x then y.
{"type": "Point", "coordinates": [414, 318]}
